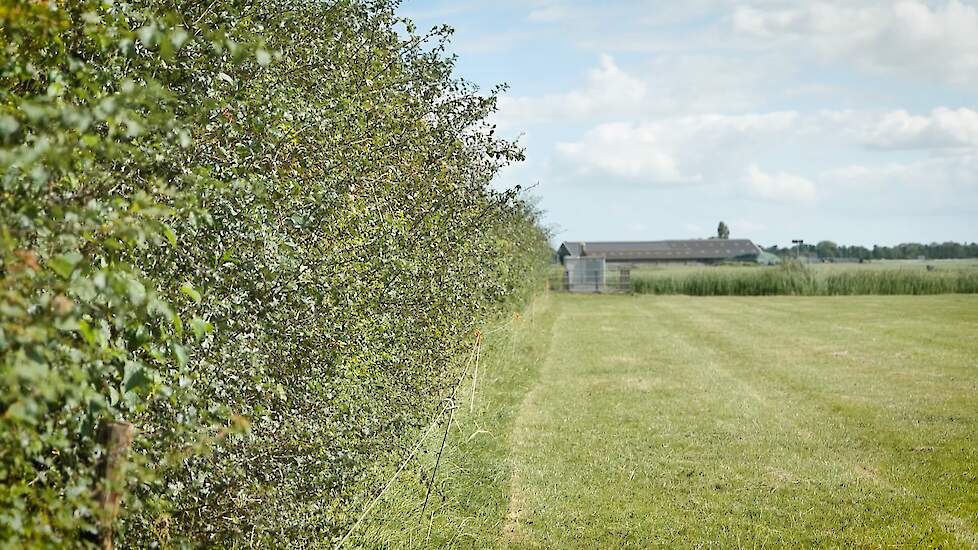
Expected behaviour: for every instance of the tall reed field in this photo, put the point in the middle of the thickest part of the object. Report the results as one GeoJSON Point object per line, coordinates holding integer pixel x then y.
{"type": "Point", "coordinates": [798, 280]}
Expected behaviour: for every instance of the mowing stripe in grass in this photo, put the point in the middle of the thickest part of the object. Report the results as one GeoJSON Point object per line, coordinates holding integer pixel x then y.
{"type": "Point", "coordinates": [674, 425]}
{"type": "Point", "coordinates": [471, 494]}
{"type": "Point", "coordinates": [646, 421]}
{"type": "Point", "coordinates": [715, 330]}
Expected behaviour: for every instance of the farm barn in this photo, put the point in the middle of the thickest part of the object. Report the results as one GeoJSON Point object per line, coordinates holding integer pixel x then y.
{"type": "Point", "coordinates": [693, 251]}
{"type": "Point", "coordinates": [585, 263]}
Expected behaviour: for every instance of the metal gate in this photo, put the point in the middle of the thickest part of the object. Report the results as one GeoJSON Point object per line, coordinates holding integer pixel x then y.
{"type": "Point", "coordinates": [593, 274]}
{"type": "Point", "coordinates": [585, 274]}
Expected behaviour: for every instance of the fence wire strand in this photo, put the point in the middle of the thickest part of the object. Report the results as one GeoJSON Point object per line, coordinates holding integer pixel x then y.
{"type": "Point", "coordinates": [449, 405]}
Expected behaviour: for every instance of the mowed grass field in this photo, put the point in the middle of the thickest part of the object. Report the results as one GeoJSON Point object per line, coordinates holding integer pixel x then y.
{"type": "Point", "coordinates": [670, 421]}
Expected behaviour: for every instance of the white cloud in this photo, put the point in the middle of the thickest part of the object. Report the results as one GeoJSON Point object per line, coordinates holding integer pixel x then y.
{"type": "Point", "coordinates": [908, 37]}
{"type": "Point", "coordinates": [940, 186]}
{"type": "Point", "coordinates": [673, 150]}
{"type": "Point", "coordinates": [624, 150]}
{"type": "Point", "coordinates": [779, 187]}
{"type": "Point", "coordinates": [943, 128]}
{"type": "Point", "coordinates": [608, 91]}
{"type": "Point", "coordinates": [938, 43]}
{"type": "Point", "coordinates": [664, 85]}
{"type": "Point", "coordinates": [707, 148]}
{"type": "Point", "coordinates": [935, 174]}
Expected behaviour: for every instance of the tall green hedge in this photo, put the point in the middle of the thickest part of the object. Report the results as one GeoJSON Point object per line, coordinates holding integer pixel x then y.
{"type": "Point", "coordinates": [260, 232]}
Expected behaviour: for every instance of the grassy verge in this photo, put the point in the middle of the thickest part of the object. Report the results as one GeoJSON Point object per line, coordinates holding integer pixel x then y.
{"type": "Point", "coordinates": [470, 496]}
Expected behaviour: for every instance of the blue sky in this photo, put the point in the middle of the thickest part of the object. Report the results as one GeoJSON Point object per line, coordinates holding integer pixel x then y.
{"type": "Point", "coordinates": [854, 121]}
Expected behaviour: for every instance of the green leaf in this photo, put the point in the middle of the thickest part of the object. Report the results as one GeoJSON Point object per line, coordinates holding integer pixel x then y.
{"type": "Point", "coordinates": [147, 35]}
{"type": "Point", "coordinates": [22, 411]}
{"type": "Point", "coordinates": [64, 264]}
{"type": "Point", "coordinates": [171, 237]}
{"type": "Point", "coordinates": [180, 354]}
{"type": "Point", "coordinates": [155, 306]}
{"type": "Point", "coordinates": [188, 290]}
{"type": "Point", "coordinates": [8, 125]}
{"type": "Point", "coordinates": [201, 327]}
{"type": "Point", "coordinates": [136, 377]}
{"type": "Point", "coordinates": [83, 288]}
{"type": "Point", "coordinates": [86, 332]}
{"type": "Point", "coordinates": [136, 291]}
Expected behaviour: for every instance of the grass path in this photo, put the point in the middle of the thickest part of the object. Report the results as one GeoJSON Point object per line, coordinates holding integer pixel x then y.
{"type": "Point", "coordinates": [673, 421]}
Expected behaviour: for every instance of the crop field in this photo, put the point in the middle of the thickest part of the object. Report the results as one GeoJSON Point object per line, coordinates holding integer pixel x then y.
{"type": "Point", "coordinates": [670, 421]}
{"type": "Point", "coordinates": [884, 278]}
{"type": "Point", "coordinates": [824, 267]}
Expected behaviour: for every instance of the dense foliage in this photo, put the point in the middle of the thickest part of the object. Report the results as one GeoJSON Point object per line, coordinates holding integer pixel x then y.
{"type": "Point", "coordinates": [261, 233]}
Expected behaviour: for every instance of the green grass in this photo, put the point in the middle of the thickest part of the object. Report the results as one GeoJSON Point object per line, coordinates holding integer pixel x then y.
{"type": "Point", "coordinates": [472, 485]}
{"type": "Point", "coordinates": [647, 421]}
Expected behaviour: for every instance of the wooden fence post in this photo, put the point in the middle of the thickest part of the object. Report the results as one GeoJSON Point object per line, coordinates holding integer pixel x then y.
{"type": "Point", "coordinates": [116, 438]}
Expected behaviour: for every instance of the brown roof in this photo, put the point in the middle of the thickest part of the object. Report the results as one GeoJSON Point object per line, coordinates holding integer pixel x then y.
{"type": "Point", "coordinates": [684, 250]}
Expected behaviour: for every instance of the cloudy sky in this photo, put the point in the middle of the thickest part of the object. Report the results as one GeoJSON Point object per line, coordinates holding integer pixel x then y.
{"type": "Point", "coordinates": [854, 121]}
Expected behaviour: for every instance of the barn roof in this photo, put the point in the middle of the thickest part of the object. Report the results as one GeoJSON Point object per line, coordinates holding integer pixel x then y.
{"type": "Point", "coordinates": [570, 249]}
{"type": "Point", "coordinates": [698, 249]}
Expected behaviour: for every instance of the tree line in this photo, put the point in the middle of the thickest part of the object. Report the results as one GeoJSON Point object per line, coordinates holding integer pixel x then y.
{"type": "Point", "coordinates": [905, 251]}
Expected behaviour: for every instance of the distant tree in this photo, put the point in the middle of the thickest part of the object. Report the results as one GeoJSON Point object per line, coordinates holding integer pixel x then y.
{"type": "Point", "coordinates": [952, 250]}
{"type": "Point", "coordinates": [860, 252]}
{"type": "Point", "coordinates": [903, 251]}
{"type": "Point", "coordinates": [826, 249]}
{"type": "Point", "coordinates": [723, 232]}
{"type": "Point", "coordinates": [911, 250]}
